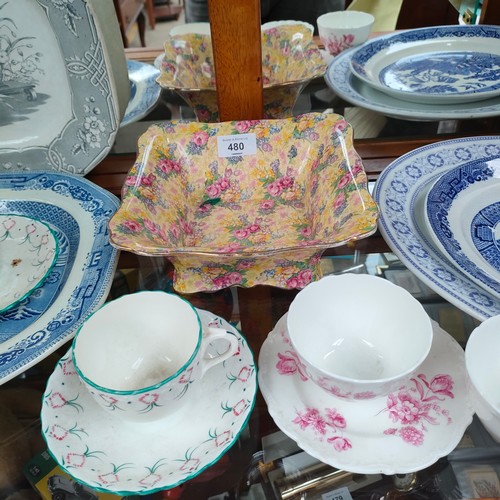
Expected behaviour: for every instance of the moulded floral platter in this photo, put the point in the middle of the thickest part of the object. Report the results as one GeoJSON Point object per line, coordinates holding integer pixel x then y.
{"type": "Point", "coordinates": [63, 84]}
{"type": "Point", "coordinates": [401, 192]}
{"type": "Point", "coordinates": [78, 212]}
{"type": "Point", "coordinates": [28, 252]}
{"type": "Point", "coordinates": [290, 60]}
{"type": "Point", "coordinates": [260, 218]}
{"type": "Point", "coordinates": [110, 454]}
{"type": "Point", "coordinates": [443, 64]}
{"type": "Point", "coordinates": [463, 212]}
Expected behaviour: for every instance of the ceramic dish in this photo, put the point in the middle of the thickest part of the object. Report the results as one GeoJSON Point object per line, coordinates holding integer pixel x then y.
{"type": "Point", "coordinates": [443, 64]}
{"type": "Point", "coordinates": [341, 80]}
{"type": "Point", "coordinates": [290, 60]}
{"type": "Point", "coordinates": [144, 91]}
{"type": "Point", "coordinates": [110, 454]}
{"type": "Point", "coordinates": [59, 104]}
{"type": "Point", "coordinates": [401, 191]}
{"type": "Point", "coordinates": [463, 211]}
{"type": "Point", "coordinates": [261, 217]}
{"type": "Point", "coordinates": [78, 211]}
{"type": "Point", "coordinates": [406, 431]}
{"type": "Point", "coordinates": [28, 252]}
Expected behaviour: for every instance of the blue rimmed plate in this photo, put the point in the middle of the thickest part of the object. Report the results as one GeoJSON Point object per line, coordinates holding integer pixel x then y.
{"type": "Point", "coordinates": [401, 192]}
{"type": "Point", "coordinates": [443, 64]}
{"type": "Point", "coordinates": [463, 211]}
{"type": "Point", "coordinates": [78, 212]}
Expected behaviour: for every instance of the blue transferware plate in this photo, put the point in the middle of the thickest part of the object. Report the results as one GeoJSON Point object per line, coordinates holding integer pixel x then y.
{"type": "Point", "coordinates": [463, 211]}
{"type": "Point", "coordinates": [401, 192]}
{"type": "Point", "coordinates": [78, 212]}
{"type": "Point", "coordinates": [443, 64]}
{"type": "Point", "coordinates": [144, 91]}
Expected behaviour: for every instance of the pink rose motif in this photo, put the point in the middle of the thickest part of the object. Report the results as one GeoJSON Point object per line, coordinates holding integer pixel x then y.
{"type": "Point", "coordinates": [335, 419]}
{"type": "Point", "coordinates": [242, 126]}
{"type": "Point", "coordinates": [223, 184]}
{"type": "Point", "coordinates": [274, 189]}
{"type": "Point", "coordinates": [213, 190]}
{"type": "Point", "coordinates": [132, 225]}
{"type": "Point", "coordinates": [241, 234]}
{"type": "Point", "coordinates": [339, 202]}
{"type": "Point", "coordinates": [336, 45]}
{"type": "Point", "coordinates": [150, 226]}
{"type": "Point", "coordinates": [340, 443]}
{"type": "Point", "coordinates": [412, 435]}
{"type": "Point", "coordinates": [166, 165]}
{"type": "Point", "coordinates": [131, 180]}
{"type": "Point", "coordinates": [304, 277]}
{"type": "Point", "coordinates": [285, 182]}
{"type": "Point", "coordinates": [404, 408]}
{"type": "Point", "coordinates": [234, 278]}
{"type": "Point", "coordinates": [306, 231]}
{"type": "Point", "coordinates": [340, 126]}
{"type": "Point", "coordinates": [289, 364]}
{"type": "Point", "coordinates": [253, 228]}
{"type": "Point", "coordinates": [200, 138]}
{"type": "Point", "coordinates": [267, 205]}
{"type": "Point", "coordinates": [292, 282]}
{"type": "Point", "coordinates": [148, 180]}
{"type": "Point", "coordinates": [344, 181]}
{"type": "Point", "coordinates": [311, 417]}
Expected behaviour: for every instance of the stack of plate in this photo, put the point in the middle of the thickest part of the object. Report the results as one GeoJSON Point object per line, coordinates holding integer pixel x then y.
{"type": "Point", "coordinates": [440, 213]}
{"type": "Point", "coordinates": [438, 73]}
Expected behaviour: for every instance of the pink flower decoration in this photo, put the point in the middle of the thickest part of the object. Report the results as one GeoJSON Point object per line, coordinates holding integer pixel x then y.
{"type": "Point", "coordinates": [304, 277]}
{"type": "Point", "coordinates": [274, 189]}
{"type": "Point", "coordinates": [223, 183]}
{"type": "Point", "coordinates": [412, 435]}
{"type": "Point", "coordinates": [440, 384]}
{"type": "Point", "coordinates": [286, 182]}
{"type": "Point", "coordinates": [311, 417]}
{"type": "Point", "coordinates": [148, 180]}
{"type": "Point", "coordinates": [166, 165]}
{"type": "Point", "coordinates": [292, 282]}
{"type": "Point", "coordinates": [253, 228]}
{"type": "Point", "coordinates": [340, 443]}
{"type": "Point", "coordinates": [149, 398]}
{"type": "Point", "coordinates": [404, 408]}
{"type": "Point", "coordinates": [306, 231]}
{"type": "Point", "coordinates": [132, 225]}
{"type": "Point", "coordinates": [213, 190]}
{"type": "Point", "coordinates": [241, 234]}
{"type": "Point", "coordinates": [344, 181]}
{"type": "Point", "coordinates": [200, 138]}
{"type": "Point", "coordinates": [335, 418]}
{"type": "Point", "coordinates": [267, 205]}
{"type": "Point", "coordinates": [289, 364]}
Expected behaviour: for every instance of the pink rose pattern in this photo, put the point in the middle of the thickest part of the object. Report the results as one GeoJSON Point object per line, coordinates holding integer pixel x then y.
{"type": "Point", "coordinates": [416, 406]}
{"type": "Point", "coordinates": [245, 205]}
{"type": "Point", "coordinates": [335, 45]}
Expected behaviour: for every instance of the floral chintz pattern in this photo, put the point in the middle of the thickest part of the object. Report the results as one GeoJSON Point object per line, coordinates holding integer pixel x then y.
{"type": "Point", "coordinates": [245, 220]}
{"type": "Point", "coordinates": [417, 405]}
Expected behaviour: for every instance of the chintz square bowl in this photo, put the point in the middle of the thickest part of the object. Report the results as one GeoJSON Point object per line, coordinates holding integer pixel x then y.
{"type": "Point", "coordinates": [259, 218]}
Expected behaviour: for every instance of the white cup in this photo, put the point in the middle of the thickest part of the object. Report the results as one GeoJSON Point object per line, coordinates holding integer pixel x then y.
{"type": "Point", "coordinates": [201, 28]}
{"type": "Point", "coordinates": [344, 29]}
{"type": "Point", "coordinates": [139, 355]}
{"type": "Point", "coordinates": [358, 336]}
{"type": "Point", "coordinates": [482, 360]}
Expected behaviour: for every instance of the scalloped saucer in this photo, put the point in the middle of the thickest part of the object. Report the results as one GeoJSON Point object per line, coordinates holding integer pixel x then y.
{"type": "Point", "coordinates": [125, 457]}
{"type": "Point", "coordinates": [403, 432]}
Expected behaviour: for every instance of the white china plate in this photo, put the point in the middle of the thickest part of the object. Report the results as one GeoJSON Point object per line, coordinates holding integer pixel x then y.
{"type": "Point", "coordinates": [401, 191]}
{"type": "Point", "coordinates": [443, 64]}
{"type": "Point", "coordinates": [144, 91]}
{"type": "Point", "coordinates": [126, 457]}
{"type": "Point", "coordinates": [463, 211]}
{"type": "Point", "coordinates": [28, 252]}
{"type": "Point", "coordinates": [404, 432]}
{"type": "Point", "coordinates": [60, 95]}
{"type": "Point", "coordinates": [78, 212]}
{"type": "Point", "coordinates": [342, 81]}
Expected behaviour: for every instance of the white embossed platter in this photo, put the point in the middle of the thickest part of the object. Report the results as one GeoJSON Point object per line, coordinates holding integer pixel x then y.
{"type": "Point", "coordinates": [28, 252]}
{"type": "Point", "coordinates": [401, 191]}
{"type": "Point", "coordinates": [404, 432]}
{"type": "Point", "coordinates": [124, 457]}
{"type": "Point", "coordinates": [442, 64]}
{"type": "Point", "coordinates": [463, 211]}
{"type": "Point", "coordinates": [59, 94]}
{"type": "Point", "coordinates": [342, 81]}
{"type": "Point", "coordinates": [78, 212]}
{"type": "Point", "coordinates": [144, 91]}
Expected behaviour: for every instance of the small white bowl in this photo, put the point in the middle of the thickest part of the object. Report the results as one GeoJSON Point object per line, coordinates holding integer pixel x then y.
{"type": "Point", "coordinates": [344, 29]}
{"type": "Point", "coordinates": [482, 360]}
{"type": "Point", "coordinates": [196, 28]}
{"type": "Point", "coordinates": [359, 336]}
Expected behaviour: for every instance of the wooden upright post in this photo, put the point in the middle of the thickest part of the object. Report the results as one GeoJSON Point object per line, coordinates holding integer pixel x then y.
{"type": "Point", "coordinates": [236, 42]}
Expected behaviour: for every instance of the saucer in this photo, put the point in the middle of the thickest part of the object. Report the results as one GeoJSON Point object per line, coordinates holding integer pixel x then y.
{"type": "Point", "coordinates": [125, 457]}
{"type": "Point", "coordinates": [403, 432]}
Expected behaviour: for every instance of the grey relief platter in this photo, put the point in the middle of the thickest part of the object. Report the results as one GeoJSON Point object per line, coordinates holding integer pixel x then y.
{"type": "Point", "coordinates": [62, 95]}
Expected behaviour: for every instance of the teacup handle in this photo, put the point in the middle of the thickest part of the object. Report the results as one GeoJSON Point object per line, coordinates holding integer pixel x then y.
{"type": "Point", "coordinates": [211, 334]}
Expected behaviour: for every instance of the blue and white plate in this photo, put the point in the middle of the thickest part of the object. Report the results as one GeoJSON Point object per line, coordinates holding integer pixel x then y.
{"type": "Point", "coordinates": [78, 212]}
{"type": "Point", "coordinates": [463, 211]}
{"type": "Point", "coordinates": [443, 64]}
{"type": "Point", "coordinates": [342, 81]}
{"type": "Point", "coordinates": [401, 192]}
{"type": "Point", "coordinates": [144, 91]}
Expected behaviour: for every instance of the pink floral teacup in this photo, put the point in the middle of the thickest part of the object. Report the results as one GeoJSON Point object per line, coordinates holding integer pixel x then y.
{"type": "Point", "coordinates": [140, 354]}
{"type": "Point", "coordinates": [344, 29]}
{"type": "Point", "coordinates": [358, 336]}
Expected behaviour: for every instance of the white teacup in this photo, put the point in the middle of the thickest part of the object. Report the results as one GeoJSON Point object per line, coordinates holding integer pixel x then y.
{"type": "Point", "coordinates": [344, 29]}
{"type": "Point", "coordinates": [358, 336]}
{"type": "Point", "coordinates": [482, 360]}
{"type": "Point", "coordinates": [139, 355]}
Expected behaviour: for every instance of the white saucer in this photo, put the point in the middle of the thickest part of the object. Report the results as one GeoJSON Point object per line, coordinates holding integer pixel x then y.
{"type": "Point", "coordinates": [403, 432]}
{"type": "Point", "coordinates": [122, 457]}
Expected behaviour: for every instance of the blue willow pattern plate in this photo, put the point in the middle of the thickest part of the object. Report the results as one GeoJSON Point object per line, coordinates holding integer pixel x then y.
{"type": "Point", "coordinates": [401, 192]}
{"type": "Point", "coordinates": [444, 64]}
{"type": "Point", "coordinates": [78, 212]}
{"type": "Point", "coordinates": [463, 213]}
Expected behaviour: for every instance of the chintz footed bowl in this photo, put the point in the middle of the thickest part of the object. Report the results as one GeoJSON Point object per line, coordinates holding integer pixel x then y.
{"type": "Point", "coordinates": [358, 336]}
{"type": "Point", "coordinates": [290, 60]}
{"type": "Point", "coordinates": [264, 216]}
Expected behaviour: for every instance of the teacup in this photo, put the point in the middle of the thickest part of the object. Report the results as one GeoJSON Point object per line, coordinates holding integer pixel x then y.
{"type": "Point", "coordinates": [139, 355]}
{"type": "Point", "coordinates": [482, 360]}
{"type": "Point", "coordinates": [344, 29]}
{"type": "Point", "coordinates": [358, 336]}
